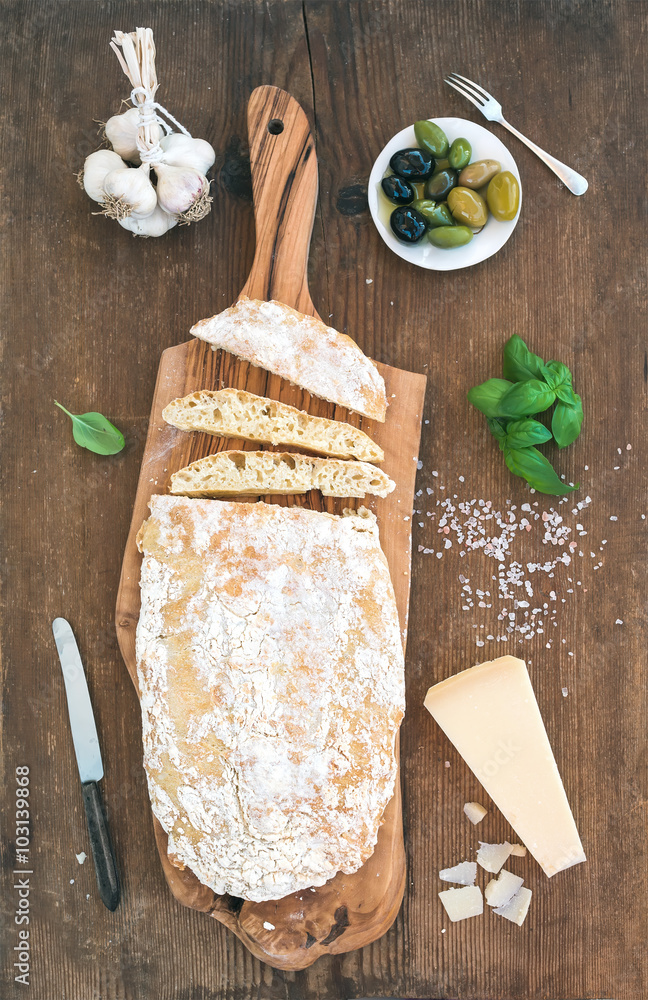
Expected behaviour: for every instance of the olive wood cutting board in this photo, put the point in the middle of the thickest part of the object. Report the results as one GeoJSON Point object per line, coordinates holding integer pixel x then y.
{"type": "Point", "coordinates": [349, 911]}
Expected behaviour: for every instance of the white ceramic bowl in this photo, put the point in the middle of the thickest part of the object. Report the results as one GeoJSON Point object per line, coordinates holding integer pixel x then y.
{"type": "Point", "coordinates": [485, 146]}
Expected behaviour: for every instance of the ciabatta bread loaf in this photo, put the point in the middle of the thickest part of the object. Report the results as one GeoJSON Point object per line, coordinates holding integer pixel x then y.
{"type": "Point", "coordinates": [270, 669]}
{"type": "Point", "coordinates": [235, 413]}
{"type": "Point", "coordinates": [260, 473]}
{"type": "Point", "coordinates": [302, 350]}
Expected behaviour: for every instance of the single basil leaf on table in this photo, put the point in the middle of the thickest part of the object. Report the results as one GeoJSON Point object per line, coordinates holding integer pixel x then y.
{"type": "Point", "coordinates": [526, 398]}
{"type": "Point", "coordinates": [560, 373]}
{"type": "Point", "coordinates": [566, 422]}
{"type": "Point", "coordinates": [94, 432]}
{"type": "Point", "coordinates": [524, 433]}
{"type": "Point", "coordinates": [497, 428]}
{"type": "Point", "coordinates": [532, 465]}
{"type": "Point", "coordinates": [486, 397]}
{"type": "Point", "coordinates": [566, 394]}
{"type": "Point", "coordinates": [520, 363]}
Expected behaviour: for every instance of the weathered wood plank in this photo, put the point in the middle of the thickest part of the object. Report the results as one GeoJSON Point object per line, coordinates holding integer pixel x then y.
{"type": "Point", "coordinates": [87, 311]}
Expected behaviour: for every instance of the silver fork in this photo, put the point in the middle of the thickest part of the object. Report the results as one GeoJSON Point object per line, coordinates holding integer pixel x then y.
{"type": "Point", "coordinates": [492, 111]}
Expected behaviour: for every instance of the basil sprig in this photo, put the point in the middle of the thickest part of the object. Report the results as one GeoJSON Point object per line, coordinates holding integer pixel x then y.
{"type": "Point", "coordinates": [530, 387]}
{"type": "Point", "coordinates": [94, 432]}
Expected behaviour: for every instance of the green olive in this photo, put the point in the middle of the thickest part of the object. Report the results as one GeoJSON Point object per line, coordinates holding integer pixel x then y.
{"type": "Point", "coordinates": [431, 138]}
{"type": "Point", "coordinates": [479, 173]}
{"type": "Point", "coordinates": [503, 196]}
{"type": "Point", "coordinates": [447, 237]}
{"type": "Point", "coordinates": [435, 213]}
{"type": "Point", "coordinates": [441, 165]}
{"type": "Point", "coordinates": [460, 153]}
{"type": "Point", "coordinates": [468, 207]}
{"type": "Point", "coordinates": [438, 185]}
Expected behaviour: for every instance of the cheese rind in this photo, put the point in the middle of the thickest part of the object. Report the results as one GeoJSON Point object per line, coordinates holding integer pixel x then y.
{"type": "Point", "coordinates": [491, 715]}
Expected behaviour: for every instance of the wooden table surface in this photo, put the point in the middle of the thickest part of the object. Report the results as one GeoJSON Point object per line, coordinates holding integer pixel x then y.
{"type": "Point", "coordinates": [86, 312]}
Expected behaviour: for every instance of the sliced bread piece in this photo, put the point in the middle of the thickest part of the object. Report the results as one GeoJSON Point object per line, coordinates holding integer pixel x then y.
{"type": "Point", "coordinates": [258, 473]}
{"type": "Point", "coordinates": [236, 413]}
{"type": "Point", "coordinates": [301, 349]}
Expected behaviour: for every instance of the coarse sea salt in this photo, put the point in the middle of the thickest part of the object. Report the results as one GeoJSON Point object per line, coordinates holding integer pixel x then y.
{"type": "Point", "coordinates": [488, 536]}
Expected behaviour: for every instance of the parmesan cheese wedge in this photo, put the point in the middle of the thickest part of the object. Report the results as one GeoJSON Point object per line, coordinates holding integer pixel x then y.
{"type": "Point", "coordinates": [464, 873]}
{"type": "Point", "coordinates": [462, 903]}
{"type": "Point", "coordinates": [500, 890]}
{"type": "Point", "coordinates": [517, 907]}
{"type": "Point", "coordinates": [491, 715]}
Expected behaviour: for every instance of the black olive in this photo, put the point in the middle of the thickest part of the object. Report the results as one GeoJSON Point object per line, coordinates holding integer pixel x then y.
{"type": "Point", "coordinates": [412, 164]}
{"type": "Point", "coordinates": [398, 190]}
{"type": "Point", "coordinates": [440, 185]}
{"type": "Point", "coordinates": [407, 224]}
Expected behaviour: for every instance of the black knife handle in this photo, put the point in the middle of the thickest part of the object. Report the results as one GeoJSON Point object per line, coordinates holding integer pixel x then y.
{"type": "Point", "coordinates": [102, 852]}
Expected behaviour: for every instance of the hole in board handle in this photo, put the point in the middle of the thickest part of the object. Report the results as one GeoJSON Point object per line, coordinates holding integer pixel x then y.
{"type": "Point", "coordinates": [275, 126]}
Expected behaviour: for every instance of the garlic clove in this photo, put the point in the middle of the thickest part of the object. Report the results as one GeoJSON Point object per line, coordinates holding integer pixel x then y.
{"type": "Point", "coordinates": [95, 169]}
{"type": "Point", "coordinates": [156, 224]}
{"type": "Point", "coordinates": [183, 191]}
{"type": "Point", "coordinates": [121, 132]}
{"type": "Point", "coordinates": [185, 151]}
{"type": "Point", "coordinates": [130, 192]}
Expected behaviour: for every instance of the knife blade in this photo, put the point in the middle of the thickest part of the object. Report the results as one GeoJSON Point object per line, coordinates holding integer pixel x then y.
{"type": "Point", "coordinates": [89, 763]}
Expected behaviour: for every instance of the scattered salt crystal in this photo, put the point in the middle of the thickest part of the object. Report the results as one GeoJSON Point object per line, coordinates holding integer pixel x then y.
{"type": "Point", "coordinates": [435, 474]}
{"type": "Point", "coordinates": [266, 923]}
{"type": "Point", "coordinates": [619, 621]}
{"type": "Point", "coordinates": [419, 464]}
{"type": "Point", "coordinates": [368, 281]}
{"type": "Point", "coordinates": [565, 692]}
{"type": "Point", "coordinates": [82, 856]}
{"type": "Point", "coordinates": [613, 518]}
{"type": "Point", "coordinates": [628, 447]}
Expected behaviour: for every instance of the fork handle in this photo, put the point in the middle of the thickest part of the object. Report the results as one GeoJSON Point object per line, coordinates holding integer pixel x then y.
{"type": "Point", "coordinates": [570, 178]}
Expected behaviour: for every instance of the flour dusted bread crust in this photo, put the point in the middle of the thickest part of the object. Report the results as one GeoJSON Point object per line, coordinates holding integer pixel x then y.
{"type": "Point", "coordinates": [270, 668]}
{"type": "Point", "coordinates": [301, 349]}
{"type": "Point", "coordinates": [263, 473]}
{"type": "Point", "coordinates": [235, 413]}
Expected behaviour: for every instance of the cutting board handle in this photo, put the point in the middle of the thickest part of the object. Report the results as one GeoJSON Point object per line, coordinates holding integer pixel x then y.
{"type": "Point", "coordinates": [284, 187]}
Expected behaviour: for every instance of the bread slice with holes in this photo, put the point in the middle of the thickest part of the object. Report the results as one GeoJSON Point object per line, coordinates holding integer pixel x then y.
{"type": "Point", "coordinates": [258, 473]}
{"type": "Point", "coordinates": [301, 349]}
{"type": "Point", "coordinates": [235, 413]}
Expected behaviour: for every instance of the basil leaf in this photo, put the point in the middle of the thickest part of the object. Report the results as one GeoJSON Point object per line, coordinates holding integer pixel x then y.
{"type": "Point", "coordinates": [523, 433]}
{"type": "Point", "coordinates": [560, 372]}
{"type": "Point", "coordinates": [94, 432]}
{"type": "Point", "coordinates": [520, 363]}
{"type": "Point", "coordinates": [486, 397]}
{"type": "Point", "coordinates": [531, 465]}
{"type": "Point", "coordinates": [497, 428]}
{"type": "Point", "coordinates": [566, 394]}
{"type": "Point", "coordinates": [566, 422]}
{"type": "Point", "coordinates": [526, 398]}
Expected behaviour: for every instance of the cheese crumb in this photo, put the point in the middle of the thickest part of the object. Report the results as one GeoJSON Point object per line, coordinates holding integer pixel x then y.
{"type": "Point", "coordinates": [491, 857]}
{"type": "Point", "coordinates": [460, 904]}
{"type": "Point", "coordinates": [464, 873]}
{"type": "Point", "coordinates": [501, 890]}
{"type": "Point", "coordinates": [475, 812]}
{"type": "Point", "coordinates": [518, 851]}
{"type": "Point", "coordinates": [517, 908]}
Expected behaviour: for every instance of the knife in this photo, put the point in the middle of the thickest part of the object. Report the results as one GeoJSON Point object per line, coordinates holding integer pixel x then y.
{"type": "Point", "coordinates": [88, 755]}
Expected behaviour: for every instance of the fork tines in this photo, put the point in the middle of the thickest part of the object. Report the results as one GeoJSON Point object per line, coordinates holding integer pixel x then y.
{"type": "Point", "coordinates": [468, 89]}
